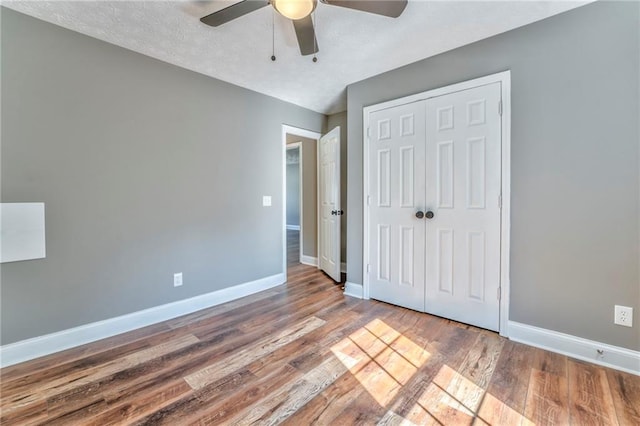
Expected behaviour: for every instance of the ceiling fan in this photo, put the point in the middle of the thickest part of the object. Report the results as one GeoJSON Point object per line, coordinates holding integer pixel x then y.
{"type": "Point", "coordinates": [299, 11]}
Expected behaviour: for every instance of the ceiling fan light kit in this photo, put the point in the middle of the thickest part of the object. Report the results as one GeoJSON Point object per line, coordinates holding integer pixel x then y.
{"type": "Point", "coordinates": [294, 9]}
{"type": "Point", "coordinates": [299, 12]}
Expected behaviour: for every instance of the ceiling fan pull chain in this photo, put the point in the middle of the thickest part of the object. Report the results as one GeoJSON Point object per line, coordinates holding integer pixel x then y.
{"type": "Point", "coordinates": [314, 17]}
{"type": "Point", "coordinates": [273, 36]}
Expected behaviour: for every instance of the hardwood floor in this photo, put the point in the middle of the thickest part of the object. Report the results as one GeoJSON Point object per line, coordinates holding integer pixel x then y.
{"type": "Point", "coordinates": [303, 353]}
{"type": "Point", "coordinates": [293, 248]}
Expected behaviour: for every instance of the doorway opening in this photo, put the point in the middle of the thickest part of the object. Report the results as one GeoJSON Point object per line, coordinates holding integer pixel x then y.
{"type": "Point", "coordinates": [294, 208]}
{"type": "Point", "coordinates": [300, 240]}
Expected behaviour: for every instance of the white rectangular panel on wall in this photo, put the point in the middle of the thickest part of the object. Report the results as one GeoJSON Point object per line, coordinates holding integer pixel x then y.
{"type": "Point", "coordinates": [21, 231]}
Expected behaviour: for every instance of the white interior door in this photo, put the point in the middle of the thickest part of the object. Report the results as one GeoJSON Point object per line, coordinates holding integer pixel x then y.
{"type": "Point", "coordinates": [463, 191]}
{"type": "Point", "coordinates": [397, 194]}
{"type": "Point", "coordinates": [329, 204]}
{"type": "Point", "coordinates": [434, 212]}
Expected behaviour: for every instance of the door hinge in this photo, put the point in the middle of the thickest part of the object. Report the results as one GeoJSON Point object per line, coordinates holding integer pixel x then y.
{"type": "Point", "coordinates": [368, 268]}
{"type": "Point", "coordinates": [368, 200]}
{"type": "Point", "coordinates": [499, 292]}
{"type": "Point", "coordinates": [500, 107]}
{"type": "Point", "coordinates": [500, 201]}
{"type": "Point", "coordinates": [369, 132]}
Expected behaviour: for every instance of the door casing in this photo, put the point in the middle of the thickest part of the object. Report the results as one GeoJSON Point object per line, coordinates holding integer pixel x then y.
{"type": "Point", "coordinates": [505, 79]}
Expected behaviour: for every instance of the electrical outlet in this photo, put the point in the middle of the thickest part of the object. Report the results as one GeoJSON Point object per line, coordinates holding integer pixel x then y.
{"type": "Point", "coordinates": [623, 316]}
{"type": "Point", "coordinates": [177, 279]}
{"type": "Point", "coordinates": [266, 201]}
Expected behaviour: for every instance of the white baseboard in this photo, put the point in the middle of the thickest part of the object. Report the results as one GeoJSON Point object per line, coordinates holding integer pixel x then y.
{"type": "Point", "coordinates": [353, 290]}
{"type": "Point", "coordinates": [309, 260]}
{"type": "Point", "coordinates": [576, 347]}
{"type": "Point", "coordinates": [313, 261]}
{"type": "Point", "coordinates": [36, 347]}
{"type": "Point", "coordinates": [293, 227]}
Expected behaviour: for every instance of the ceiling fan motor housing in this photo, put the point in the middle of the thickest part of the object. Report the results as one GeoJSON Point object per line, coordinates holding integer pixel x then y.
{"type": "Point", "coordinates": [294, 9]}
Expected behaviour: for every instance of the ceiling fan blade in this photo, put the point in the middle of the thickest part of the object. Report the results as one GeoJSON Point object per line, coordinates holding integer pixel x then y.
{"type": "Point", "coordinates": [306, 35]}
{"type": "Point", "coordinates": [390, 8]}
{"type": "Point", "coordinates": [232, 12]}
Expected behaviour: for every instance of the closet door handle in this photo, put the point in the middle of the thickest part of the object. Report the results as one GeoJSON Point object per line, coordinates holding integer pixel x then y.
{"type": "Point", "coordinates": [429, 215]}
{"type": "Point", "coordinates": [419, 214]}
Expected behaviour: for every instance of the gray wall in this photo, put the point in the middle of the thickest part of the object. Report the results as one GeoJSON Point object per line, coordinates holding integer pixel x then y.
{"type": "Point", "coordinates": [146, 169]}
{"type": "Point", "coordinates": [575, 188]}
{"type": "Point", "coordinates": [293, 194]}
{"type": "Point", "coordinates": [340, 119]}
{"type": "Point", "coordinates": [309, 163]}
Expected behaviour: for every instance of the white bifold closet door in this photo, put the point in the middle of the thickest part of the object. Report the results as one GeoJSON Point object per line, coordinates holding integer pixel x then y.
{"type": "Point", "coordinates": [397, 192]}
{"type": "Point", "coordinates": [434, 211]}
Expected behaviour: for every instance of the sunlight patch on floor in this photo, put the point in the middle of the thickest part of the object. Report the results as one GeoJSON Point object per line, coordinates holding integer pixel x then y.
{"type": "Point", "coordinates": [459, 387]}
{"type": "Point", "coordinates": [495, 412]}
{"type": "Point", "coordinates": [449, 397]}
{"type": "Point", "coordinates": [384, 360]}
{"type": "Point", "coordinates": [453, 399]}
{"type": "Point", "coordinates": [381, 359]}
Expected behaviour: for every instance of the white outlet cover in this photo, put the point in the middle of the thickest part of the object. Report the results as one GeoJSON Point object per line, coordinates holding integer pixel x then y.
{"type": "Point", "coordinates": [266, 201]}
{"type": "Point", "coordinates": [623, 315]}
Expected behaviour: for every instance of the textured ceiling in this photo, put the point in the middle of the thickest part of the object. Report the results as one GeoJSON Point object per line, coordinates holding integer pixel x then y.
{"type": "Point", "coordinates": [353, 45]}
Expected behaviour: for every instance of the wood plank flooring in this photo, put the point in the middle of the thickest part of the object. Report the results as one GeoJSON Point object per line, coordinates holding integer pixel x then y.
{"type": "Point", "coordinates": [303, 353]}
{"type": "Point", "coordinates": [293, 247]}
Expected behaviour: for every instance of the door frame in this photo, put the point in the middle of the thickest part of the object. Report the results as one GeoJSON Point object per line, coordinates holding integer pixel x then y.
{"type": "Point", "coordinates": [505, 221]}
{"type": "Point", "coordinates": [309, 134]}
{"type": "Point", "coordinates": [298, 146]}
